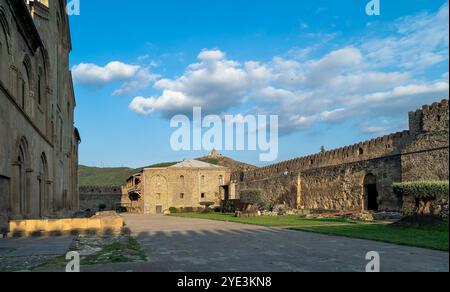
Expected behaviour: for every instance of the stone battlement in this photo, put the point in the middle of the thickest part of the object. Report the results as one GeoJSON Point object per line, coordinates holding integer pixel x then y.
{"type": "Point", "coordinates": [97, 190]}
{"type": "Point", "coordinates": [428, 119]}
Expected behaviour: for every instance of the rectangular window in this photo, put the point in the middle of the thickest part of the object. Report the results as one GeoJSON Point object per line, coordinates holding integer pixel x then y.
{"type": "Point", "coordinates": [203, 195]}
{"type": "Point", "coordinates": [158, 196]}
{"type": "Point", "coordinates": [182, 196]}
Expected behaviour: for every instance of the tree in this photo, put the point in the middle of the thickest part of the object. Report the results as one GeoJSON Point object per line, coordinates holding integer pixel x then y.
{"type": "Point", "coordinates": [250, 198]}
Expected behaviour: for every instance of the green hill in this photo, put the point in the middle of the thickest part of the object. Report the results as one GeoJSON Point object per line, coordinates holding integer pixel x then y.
{"type": "Point", "coordinates": [116, 176]}
{"type": "Point", "coordinates": [110, 176]}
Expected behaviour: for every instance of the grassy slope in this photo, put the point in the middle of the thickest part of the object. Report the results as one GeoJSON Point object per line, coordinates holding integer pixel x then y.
{"type": "Point", "coordinates": [94, 176]}
{"type": "Point", "coordinates": [285, 221]}
{"type": "Point", "coordinates": [114, 176]}
{"type": "Point", "coordinates": [431, 237]}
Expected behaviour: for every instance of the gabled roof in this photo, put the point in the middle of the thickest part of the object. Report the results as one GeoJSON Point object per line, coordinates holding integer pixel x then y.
{"type": "Point", "coordinates": [194, 164]}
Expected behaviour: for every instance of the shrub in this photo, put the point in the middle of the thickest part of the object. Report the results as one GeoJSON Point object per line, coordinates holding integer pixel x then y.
{"type": "Point", "coordinates": [102, 207]}
{"type": "Point", "coordinates": [422, 193]}
{"type": "Point", "coordinates": [173, 210]}
{"type": "Point", "coordinates": [228, 206]}
{"type": "Point", "coordinates": [430, 190]}
{"type": "Point", "coordinates": [251, 196]}
{"type": "Point", "coordinates": [188, 210]}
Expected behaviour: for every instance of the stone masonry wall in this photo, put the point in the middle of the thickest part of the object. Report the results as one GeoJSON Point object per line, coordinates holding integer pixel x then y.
{"type": "Point", "coordinates": [334, 180]}
{"type": "Point", "coordinates": [92, 197]}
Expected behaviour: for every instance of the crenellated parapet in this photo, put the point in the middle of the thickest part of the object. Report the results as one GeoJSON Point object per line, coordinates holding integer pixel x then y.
{"type": "Point", "coordinates": [430, 118]}
{"type": "Point", "coordinates": [99, 190]}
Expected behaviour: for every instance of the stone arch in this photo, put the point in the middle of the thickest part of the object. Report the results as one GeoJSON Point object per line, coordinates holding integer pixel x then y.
{"type": "Point", "coordinates": [5, 48]}
{"type": "Point", "coordinates": [42, 77]}
{"type": "Point", "coordinates": [43, 183]}
{"type": "Point", "coordinates": [26, 83]}
{"type": "Point", "coordinates": [20, 199]}
{"type": "Point", "coordinates": [371, 194]}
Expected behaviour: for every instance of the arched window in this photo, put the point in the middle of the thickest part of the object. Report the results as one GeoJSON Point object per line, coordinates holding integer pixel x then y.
{"type": "Point", "coordinates": [40, 86]}
{"type": "Point", "coordinates": [4, 57]}
{"type": "Point", "coordinates": [25, 84]}
{"type": "Point", "coordinates": [43, 186]}
{"type": "Point", "coordinates": [182, 179]}
{"type": "Point", "coordinates": [19, 200]}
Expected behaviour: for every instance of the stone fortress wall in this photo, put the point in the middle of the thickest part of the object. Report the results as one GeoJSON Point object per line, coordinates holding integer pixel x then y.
{"type": "Point", "coordinates": [92, 197]}
{"type": "Point", "coordinates": [360, 176]}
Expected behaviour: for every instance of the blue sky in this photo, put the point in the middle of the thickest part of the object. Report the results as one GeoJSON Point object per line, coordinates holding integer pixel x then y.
{"type": "Point", "coordinates": [334, 75]}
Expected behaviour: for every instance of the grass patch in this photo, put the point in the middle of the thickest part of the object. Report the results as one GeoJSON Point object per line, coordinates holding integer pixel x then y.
{"type": "Point", "coordinates": [118, 252]}
{"type": "Point", "coordinates": [269, 221]}
{"type": "Point", "coordinates": [431, 237]}
{"type": "Point", "coordinates": [124, 250]}
{"type": "Point", "coordinates": [434, 237]}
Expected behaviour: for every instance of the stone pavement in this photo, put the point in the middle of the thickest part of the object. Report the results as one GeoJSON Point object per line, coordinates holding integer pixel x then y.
{"type": "Point", "coordinates": [26, 253]}
{"type": "Point", "coordinates": [194, 245]}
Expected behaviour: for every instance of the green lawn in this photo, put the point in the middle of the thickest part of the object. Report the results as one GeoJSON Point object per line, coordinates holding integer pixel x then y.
{"type": "Point", "coordinates": [431, 237]}
{"type": "Point", "coordinates": [269, 221]}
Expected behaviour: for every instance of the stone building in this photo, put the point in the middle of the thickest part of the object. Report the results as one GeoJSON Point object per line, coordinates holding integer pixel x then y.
{"type": "Point", "coordinates": [38, 141]}
{"type": "Point", "coordinates": [100, 198]}
{"type": "Point", "coordinates": [359, 177]}
{"type": "Point", "coordinates": [186, 184]}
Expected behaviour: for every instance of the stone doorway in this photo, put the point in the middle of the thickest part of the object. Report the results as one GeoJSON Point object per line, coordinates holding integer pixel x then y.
{"type": "Point", "coordinates": [370, 193]}
{"type": "Point", "coordinates": [159, 210]}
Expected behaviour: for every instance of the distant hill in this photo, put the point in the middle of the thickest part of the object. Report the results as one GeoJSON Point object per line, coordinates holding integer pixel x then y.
{"type": "Point", "coordinates": [116, 176]}
{"type": "Point", "coordinates": [233, 165]}
{"type": "Point", "coordinates": [110, 176]}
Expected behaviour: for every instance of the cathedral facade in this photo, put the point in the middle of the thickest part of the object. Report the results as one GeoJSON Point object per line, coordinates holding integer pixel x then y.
{"type": "Point", "coordinates": [38, 140]}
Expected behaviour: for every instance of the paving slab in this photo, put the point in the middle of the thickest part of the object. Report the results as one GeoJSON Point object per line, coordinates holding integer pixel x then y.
{"type": "Point", "coordinates": [40, 246]}
{"type": "Point", "coordinates": [195, 245]}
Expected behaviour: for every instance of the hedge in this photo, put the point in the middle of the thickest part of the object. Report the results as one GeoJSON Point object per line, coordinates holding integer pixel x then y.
{"type": "Point", "coordinates": [251, 196]}
{"type": "Point", "coordinates": [429, 190]}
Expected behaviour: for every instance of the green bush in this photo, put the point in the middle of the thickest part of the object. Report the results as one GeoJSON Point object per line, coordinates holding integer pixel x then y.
{"type": "Point", "coordinates": [251, 196]}
{"type": "Point", "coordinates": [188, 210]}
{"type": "Point", "coordinates": [421, 195]}
{"type": "Point", "coordinates": [228, 206]}
{"type": "Point", "coordinates": [173, 210]}
{"type": "Point", "coordinates": [428, 190]}
{"type": "Point", "coordinates": [102, 207]}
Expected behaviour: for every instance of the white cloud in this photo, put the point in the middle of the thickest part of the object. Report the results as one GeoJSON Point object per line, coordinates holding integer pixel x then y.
{"type": "Point", "coordinates": [142, 79]}
{"type": "Point", "coordinates": [418, 42]}
{"type": "Point", "coordinates": [215, 83]}
{"type": "Point", "coordinates": [355, 82]}
{"type": "Point", "coordinates": [92, 74]}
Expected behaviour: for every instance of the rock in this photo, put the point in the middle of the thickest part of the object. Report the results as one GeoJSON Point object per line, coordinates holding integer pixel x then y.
{"type": "Point", "coordinates": [363, 216]}
{"type": "Point", "coordinates": [380, 216]}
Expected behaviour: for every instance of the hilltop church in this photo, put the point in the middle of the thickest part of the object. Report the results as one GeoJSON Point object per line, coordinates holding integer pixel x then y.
{"type": "Point", "coordinates": [38, 140]}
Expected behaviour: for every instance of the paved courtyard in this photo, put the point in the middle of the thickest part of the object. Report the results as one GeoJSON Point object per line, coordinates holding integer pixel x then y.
{"type": "Point", "coordinates": [22, 253]}
{"type": "Point", "coordinates": [194, 245]}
